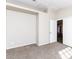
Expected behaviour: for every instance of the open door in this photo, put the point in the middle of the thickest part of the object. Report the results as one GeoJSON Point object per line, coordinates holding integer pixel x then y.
{"type": "Point", "coordinates": [60, 31]}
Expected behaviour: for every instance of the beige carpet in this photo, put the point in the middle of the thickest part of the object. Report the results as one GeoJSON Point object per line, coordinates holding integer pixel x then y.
{"type": "Point", "coordinates": [49, 51]}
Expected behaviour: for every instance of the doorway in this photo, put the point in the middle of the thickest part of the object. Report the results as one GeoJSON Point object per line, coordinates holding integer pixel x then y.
{"type": "Point", "coordinates": [60, 31]}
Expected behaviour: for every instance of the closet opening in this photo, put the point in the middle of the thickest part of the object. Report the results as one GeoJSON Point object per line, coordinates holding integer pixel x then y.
{"type": "Point", "coordinates": [60, 31]}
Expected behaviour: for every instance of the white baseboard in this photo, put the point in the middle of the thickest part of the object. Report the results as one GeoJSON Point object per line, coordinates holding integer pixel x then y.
{"type": "Point", "coordinates": [19, 46]}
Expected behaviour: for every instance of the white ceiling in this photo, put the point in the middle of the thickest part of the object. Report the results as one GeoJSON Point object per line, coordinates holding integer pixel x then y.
{"type": "Point", "coordinates": [44, 4]}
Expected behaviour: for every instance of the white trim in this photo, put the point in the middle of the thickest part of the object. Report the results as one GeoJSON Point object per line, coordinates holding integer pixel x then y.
{"type": "Point", "coordinates": [24, 8]}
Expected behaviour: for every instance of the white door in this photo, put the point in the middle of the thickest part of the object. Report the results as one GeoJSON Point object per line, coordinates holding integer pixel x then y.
{"type": "Point", "coordinates": [53, 31]}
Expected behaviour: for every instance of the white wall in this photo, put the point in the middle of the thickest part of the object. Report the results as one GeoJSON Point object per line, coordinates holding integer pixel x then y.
{"type": "Point", "coordinates": [52, 25]}
{"type": "Point", "coordinates": [66, 15]}
{"type": "Point", "coordinates": [43, 29]}
{"type": "Point", "coordinates": [21, 29]}
{"type": "Point", "coordinates": [44, 26]}
{"type": "Point", "coordinates": [51, 14]}
{"type": "Point", "coordinates": [67, 26]}
{"type": "Point", "coordinates": [63, 13]}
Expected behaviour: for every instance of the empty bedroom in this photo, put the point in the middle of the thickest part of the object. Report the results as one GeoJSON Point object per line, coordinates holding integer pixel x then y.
{"type": "Point", "coordinates": [39, 29]}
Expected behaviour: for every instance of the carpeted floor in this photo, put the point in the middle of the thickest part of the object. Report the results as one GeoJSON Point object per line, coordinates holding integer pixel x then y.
{"type": "Point", "coordinates": [49, 51]}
